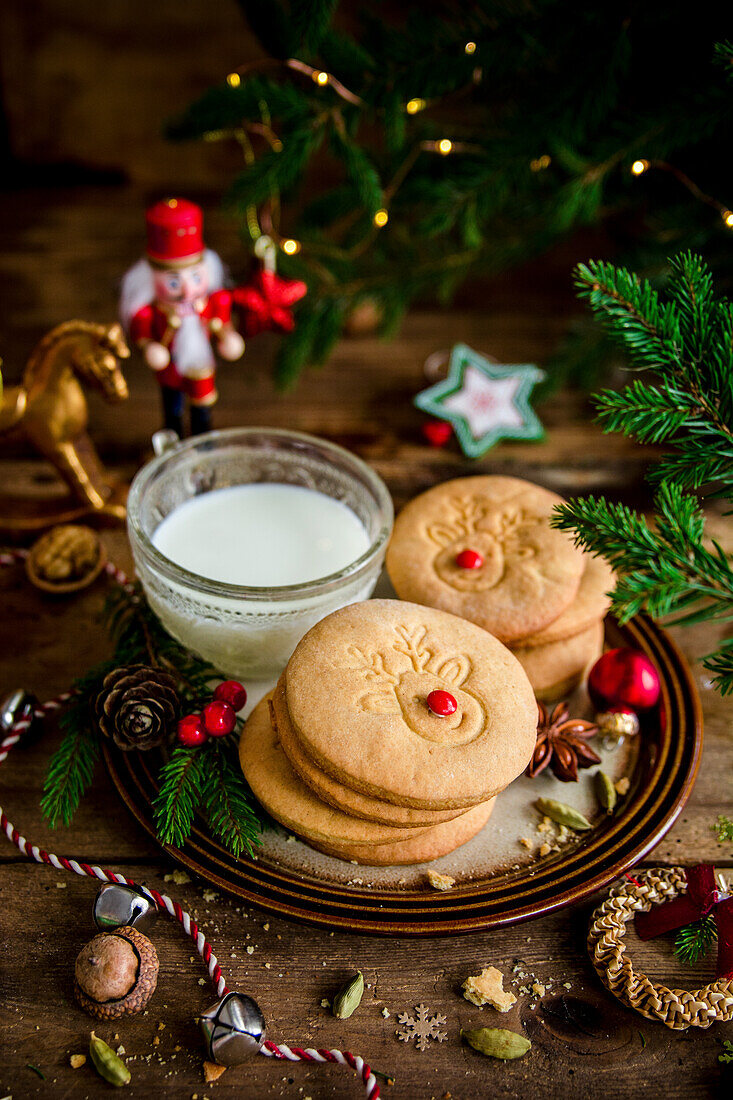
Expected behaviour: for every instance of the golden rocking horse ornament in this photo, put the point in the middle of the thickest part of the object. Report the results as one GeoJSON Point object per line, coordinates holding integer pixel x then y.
{"type": "Point", "coordinates": [49, 409]}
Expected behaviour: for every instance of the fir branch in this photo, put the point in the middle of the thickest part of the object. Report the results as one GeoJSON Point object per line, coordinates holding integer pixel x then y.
{"type": "Point", "coordinates": [727, 1055]}
{"type": "Point", "coordinates": [665, 568]}
{"type": "Point", "coordinates": [180, 795]}
{"type": "Point", "coordinates": [694, 941]}
{"type": "Point", "coordinates": [227, 803]}
{"type": "Point", "coordinates": [70, 769]}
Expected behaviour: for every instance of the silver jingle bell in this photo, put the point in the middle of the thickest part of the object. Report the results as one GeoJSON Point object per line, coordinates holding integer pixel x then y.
{"type": "Point", "coordinates": [117, 904]}
{"type": "Point", "coordinates": [234, 1028]}
{"type": "Point", "coordinates": [18, 704]}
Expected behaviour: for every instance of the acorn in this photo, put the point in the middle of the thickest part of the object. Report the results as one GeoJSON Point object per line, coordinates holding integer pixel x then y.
{"type": "Point", "coordinates": [115, 974]}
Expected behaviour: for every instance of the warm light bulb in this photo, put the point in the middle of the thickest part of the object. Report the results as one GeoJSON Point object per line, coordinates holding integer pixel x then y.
{"type": "Point", "coordinates": [414, 105]}
{"type": "Point", "coordinates": [639, 167]}
{"type": "Point", "coordinates": [727, 216]}
{"type": "Point", "coordinates": [444, 146]}
{"type": "Point", "coordinates": [470, 47]}
{"type": "Point", "coordinates": [291, 247]}
{"type": "Point", "coordinates": [321, 78]}
{"type": "Point", "coordinates": [234, 80]}
{"type": "Point", "coordinates": [381, 218]}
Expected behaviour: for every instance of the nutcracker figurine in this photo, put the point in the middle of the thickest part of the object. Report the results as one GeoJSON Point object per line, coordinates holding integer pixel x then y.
{"type": "Point", "coordinates": [173, 304]}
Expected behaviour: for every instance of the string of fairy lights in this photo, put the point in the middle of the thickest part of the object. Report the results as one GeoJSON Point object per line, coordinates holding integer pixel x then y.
{"type": "Point", "coordinates": [443, 146]}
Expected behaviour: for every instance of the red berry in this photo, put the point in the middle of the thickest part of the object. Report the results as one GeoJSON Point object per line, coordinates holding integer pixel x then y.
{"type": "Point", "coordinates": [437, 432]}
{"type": "Point", "coordinates": [231, 692]}
{"type": "Point", "coordinates": [191, 732]}
{"type": "Point", "coordinates": [219, 718]}
{"type": "Point", "coordinates": [469, 559]}
{"type": "Point", "coordinates": [442, 703]}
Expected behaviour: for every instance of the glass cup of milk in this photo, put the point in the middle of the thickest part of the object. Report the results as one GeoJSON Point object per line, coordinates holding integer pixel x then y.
{"type": "Point", "coordinates": [243, 539]}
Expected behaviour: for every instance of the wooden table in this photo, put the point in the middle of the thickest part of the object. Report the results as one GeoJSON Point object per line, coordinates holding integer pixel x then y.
{"type": "Point", "coordinates": [589, 1046]}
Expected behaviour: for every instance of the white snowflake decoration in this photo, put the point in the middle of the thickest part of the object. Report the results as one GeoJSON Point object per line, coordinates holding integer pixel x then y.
{"type": "Point", "coordinates": [421, 1027]}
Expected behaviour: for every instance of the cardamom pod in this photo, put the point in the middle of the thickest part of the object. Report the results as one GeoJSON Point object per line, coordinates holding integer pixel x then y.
{"type": "Point", "coordinates": [107, 1063]}
{"type": "Point", "coordinates": [606, 792]}
{"type": "Point", "coordinates": [348, 999]}
{"type": "Point", "coordinates": [563, 814]}
{"type": "Point", "coordinates": [496, 1042]}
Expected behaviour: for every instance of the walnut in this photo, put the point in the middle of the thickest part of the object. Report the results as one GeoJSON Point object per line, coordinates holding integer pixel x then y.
{"type": "Point", "coordinates": [66, 558]}
{"type": "Point", "coordinates": [116, 973]}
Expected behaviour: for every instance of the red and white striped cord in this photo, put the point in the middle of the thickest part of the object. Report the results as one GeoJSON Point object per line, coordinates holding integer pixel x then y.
{"type": "Point", "coordinates": [202, 945]}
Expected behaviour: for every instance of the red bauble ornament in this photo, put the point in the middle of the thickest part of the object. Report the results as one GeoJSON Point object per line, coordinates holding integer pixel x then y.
{"type": "Point", "coordinates": [219, 718]}
{"type": "Point", "coordinates": [191, 732]}
{"type": "Point", "coordinates": [231, 692]}
{"type": "Point", "coordinates": [469, 559]}
{"type": "Point", "coordinates": [623, 678]}
{"type": "Point", "coordinates": [437, 432]}
{"type": "Point", "coordinates": [442, 703]}
{"type": "Point", "coordinates": [266, 303]}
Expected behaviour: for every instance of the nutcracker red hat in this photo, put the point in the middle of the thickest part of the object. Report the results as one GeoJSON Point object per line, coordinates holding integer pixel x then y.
{"type": "Point", "coordinates": [175, 233]}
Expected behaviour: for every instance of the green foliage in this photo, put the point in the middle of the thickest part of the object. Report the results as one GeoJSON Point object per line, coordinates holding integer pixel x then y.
{"type": "Point", "coordinates": [179, 796]}
{"type": "Point", "coordinates": [70, 772]}
{"type": "Point", "coordinates": [546, 116]}
{"type": "Point", "coordinates": [683, 340]}
{"type": "Point", "coordinates": [727, 1055]}
{"type": "Point", "coordinates": [205, 780]}
{"type": "Point", "coordinates": [694, 941]}
{"type": "Point", "coordinates": [228, 803]}
{"type": "Point", "coordinates": [724, 828]}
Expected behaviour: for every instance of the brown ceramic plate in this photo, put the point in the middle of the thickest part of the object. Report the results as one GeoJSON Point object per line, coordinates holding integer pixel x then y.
{"type": "Point", "coordinates": [664, 773]}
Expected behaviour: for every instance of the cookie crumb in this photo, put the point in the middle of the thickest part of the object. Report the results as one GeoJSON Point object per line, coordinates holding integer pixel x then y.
{"type": "Point", "coordinates": [76, 1061]}
{"type": "Point", "coordinates": [386, 1013]}
{"type": "Point", "coordinates": [525, 842]}
{"type": "Point", "coordinates": [544, 849]}
{"type": "Point", "coordinates": [622, 785]}
{"type": "Point", "coordinates": [210, 895]}
{"type": "Point", "coordinates": [325, 1003]}
{"type": "Point", "coordinates": [179, 877]}
{"type": "Point", "coordinates": [538, 988]}
{"type": "Point", "coordinates": [61, 885]}
{"type": "Point", "coordinates": [488, 988]}
{"type": "Point", "coordinates": [250, 950]}
{"type": "Point", "coordinates": [212, 1072]}
{"type": "Point", "coordinates": [440, 882]}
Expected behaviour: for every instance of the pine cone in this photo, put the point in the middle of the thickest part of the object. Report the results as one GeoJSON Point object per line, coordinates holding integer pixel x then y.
{"type": "Point", "coordinates": [137, 707]}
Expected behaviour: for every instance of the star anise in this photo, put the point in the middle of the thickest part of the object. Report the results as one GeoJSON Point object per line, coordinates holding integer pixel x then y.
{"type": "Point", "coordinates": [562, 743]}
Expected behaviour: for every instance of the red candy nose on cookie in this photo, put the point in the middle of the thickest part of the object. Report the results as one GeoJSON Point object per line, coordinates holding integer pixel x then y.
{"type": "Point", "coordinates": [442, 703]}
{"type": "Point", "coordinates": [469, 559]}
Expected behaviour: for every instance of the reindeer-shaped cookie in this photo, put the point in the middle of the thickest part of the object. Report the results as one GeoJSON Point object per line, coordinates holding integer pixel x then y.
{"type": "Point", "coordinates": [400, 687]}
{"type": "Point", "coordinates": [497, 536]}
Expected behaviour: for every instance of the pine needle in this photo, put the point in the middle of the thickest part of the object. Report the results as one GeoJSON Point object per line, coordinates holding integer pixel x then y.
{"type": "Point", "coordinates": [227, 805]}
{"type": "Point", "coordinates": [71, 767]}
{"type": "Point", "coordinates": [180, 795]}
{"type": "Point", "coordinates": [694, 941]}
{"type": "Point", "coordinates": [667, 567]}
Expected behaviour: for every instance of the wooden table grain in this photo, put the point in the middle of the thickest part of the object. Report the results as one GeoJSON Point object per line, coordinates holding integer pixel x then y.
{"type": "Point", "coordinates": [585, 1044]}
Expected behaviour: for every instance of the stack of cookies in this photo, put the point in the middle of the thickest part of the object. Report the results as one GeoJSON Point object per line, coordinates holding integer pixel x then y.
{"type": "Point", "coordinates": [390, 733]}
{"type": "Point", "coordinates": [483, 548]}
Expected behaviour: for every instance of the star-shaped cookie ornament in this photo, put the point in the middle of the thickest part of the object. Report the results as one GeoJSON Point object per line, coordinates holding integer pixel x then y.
{"type": "Point", "coordinates": [484, 401]}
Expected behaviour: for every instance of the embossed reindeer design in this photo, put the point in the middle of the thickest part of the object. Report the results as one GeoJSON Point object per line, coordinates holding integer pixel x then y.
{"type": "Point", "coordinates": [404, 690]}
{"type": "Point", "coordinates": [496, 536]}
